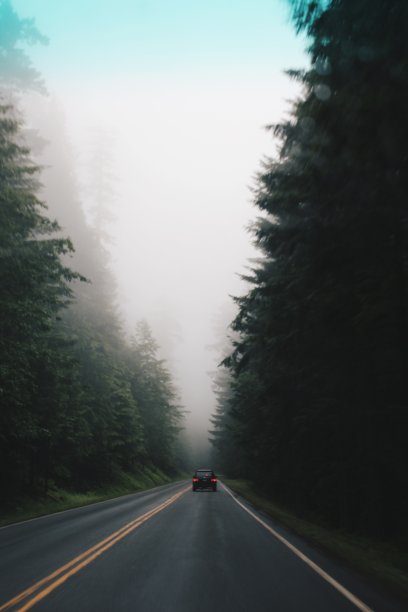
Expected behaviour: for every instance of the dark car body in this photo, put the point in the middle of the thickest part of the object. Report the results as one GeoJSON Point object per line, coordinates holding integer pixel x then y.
{"type": "Point", "coordinates": [204, 479]}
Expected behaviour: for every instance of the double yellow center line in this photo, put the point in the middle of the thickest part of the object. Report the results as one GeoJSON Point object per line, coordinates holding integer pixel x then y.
{"type": "Point", "coordinates": [44, 587]}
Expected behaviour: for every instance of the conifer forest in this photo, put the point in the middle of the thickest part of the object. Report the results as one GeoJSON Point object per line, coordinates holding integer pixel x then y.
{"type": "Point", "coordinates": [80, 403]}
{"type": "Point", "coordinates": [312, 401]}
{"type": "Point", "coordinates": [312, 384]}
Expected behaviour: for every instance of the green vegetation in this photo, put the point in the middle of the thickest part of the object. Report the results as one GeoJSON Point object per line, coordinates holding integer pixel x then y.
{"type": "Point", "coordinates": [314, 407]}
{"type": "Point", "coordinates": [81, 404]}
{"type": "Point", "coordinates": [383, 561]}
{"type": "Point", "coordinates": [57, 499]}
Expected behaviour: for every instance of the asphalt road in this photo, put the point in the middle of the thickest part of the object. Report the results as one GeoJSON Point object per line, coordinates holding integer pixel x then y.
{"type": "Point", "coordinates": [172, 550]}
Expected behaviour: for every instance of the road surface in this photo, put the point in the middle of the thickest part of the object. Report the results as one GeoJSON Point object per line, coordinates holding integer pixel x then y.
{"type": "Point", "coordinates": [172, 550]}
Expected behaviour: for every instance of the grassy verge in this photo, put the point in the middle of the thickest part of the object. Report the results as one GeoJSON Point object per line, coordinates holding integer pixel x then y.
{"type": "Point", "coordinates": [58, 499]}
{"type": "Point", "coordinates": [384, 562]}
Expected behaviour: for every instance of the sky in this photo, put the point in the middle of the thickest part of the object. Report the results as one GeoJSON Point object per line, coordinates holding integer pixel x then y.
{"type": "Point", "coordinates": [184, 89]}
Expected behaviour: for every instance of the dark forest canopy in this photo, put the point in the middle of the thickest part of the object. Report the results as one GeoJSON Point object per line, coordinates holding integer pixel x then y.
{"type": "Point", "coordinates": [79, 405]}
{"type": "Point", "coordinates": [317, 403]}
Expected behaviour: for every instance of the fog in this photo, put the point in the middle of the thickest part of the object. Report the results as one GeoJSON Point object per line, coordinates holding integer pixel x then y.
{"type": "Point", "coordinates": [182, 126]}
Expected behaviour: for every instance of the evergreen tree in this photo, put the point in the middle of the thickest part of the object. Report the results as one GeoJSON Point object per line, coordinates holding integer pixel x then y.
{"type": "Point", "coordinates": [101, 184]}
{"type": "Point", "coordinates": [16, 70]}
{"type": "Point", "coordinates": [110, 438]}
{"type": "Point", "coordinates": [34, 287]}
{"type": "Point", "coordinates": [156, 396]}
{"type": "Point", "coordinates": [320, 369]}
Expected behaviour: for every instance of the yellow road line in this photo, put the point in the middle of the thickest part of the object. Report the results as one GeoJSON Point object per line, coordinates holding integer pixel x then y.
{"type": "Point", "coordinates": [82, 560]}
{"type": "Point", "coordinates": [61, 569]}
{"type": "Point", "coordinates": [339, 587]}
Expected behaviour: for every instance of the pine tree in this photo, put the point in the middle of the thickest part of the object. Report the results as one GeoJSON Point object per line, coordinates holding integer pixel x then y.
{"type": "Point", "coordinates": [156, 396]}
{"type": "Point", "coordinates": [34, 287]}
{"type": "Point", "coordinates": [320, 369]}
{"type": "Point", "coordinates": [16, 70]}
{"type": "Point", "coordinates": [69, 413]}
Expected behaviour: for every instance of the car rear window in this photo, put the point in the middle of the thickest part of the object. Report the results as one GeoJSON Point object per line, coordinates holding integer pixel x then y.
{"type": "Point", "coordinates": [204, 473]}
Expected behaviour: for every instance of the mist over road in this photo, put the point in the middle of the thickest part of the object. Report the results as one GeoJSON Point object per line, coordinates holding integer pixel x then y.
{"type": "Point", "coordinates": [169, 549]}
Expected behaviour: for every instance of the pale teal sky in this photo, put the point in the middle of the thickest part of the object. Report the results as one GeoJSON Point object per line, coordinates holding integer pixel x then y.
{"type": "Point", "coordinates": [106, 38]}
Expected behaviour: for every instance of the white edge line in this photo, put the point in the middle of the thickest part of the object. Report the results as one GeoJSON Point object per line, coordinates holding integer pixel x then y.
{"type": "Point", "coordinates": [346, 593]}
{"type": "Point", "coordinates": [102, 501]}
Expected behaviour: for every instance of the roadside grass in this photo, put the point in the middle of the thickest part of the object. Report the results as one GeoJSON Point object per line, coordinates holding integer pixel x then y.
{"type": "Point", "coordinates": [384, 562]}
{"type": "Point", "coordinates": [57, 499]}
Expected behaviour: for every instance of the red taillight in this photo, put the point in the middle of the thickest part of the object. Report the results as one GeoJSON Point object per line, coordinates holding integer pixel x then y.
{"type": "Point", "coordinates": [195, 479]}
{"type": "Point", "coordinates": [213, 480]}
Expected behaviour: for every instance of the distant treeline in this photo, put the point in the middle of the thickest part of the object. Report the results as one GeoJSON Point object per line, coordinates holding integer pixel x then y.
{"type": "Point", "coordinates": [312, 405]}
{"type": "Point", "coordinates": [79, 404]}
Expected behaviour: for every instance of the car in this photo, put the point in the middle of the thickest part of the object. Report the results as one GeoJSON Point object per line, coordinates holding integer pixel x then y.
{"type": "Point", "coordinates": [204, 478]}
